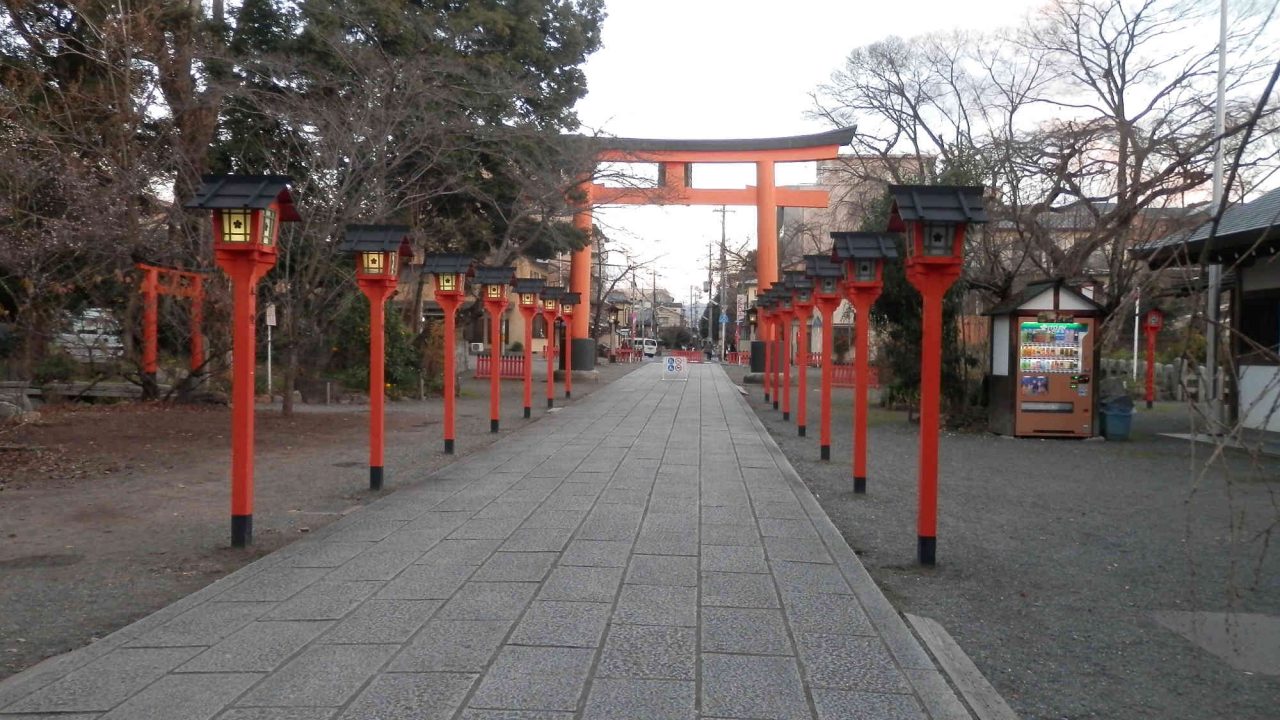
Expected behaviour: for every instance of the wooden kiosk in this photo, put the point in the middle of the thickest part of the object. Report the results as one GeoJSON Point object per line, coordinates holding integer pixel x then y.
{"type": "Point", "coordinates": [1041, 382]}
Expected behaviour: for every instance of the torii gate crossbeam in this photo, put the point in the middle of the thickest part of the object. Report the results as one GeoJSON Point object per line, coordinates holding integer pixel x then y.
{"type": "Point", "coordinates": [675, 158]}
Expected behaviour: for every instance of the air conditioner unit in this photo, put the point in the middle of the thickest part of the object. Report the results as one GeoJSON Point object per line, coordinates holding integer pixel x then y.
{"type": "Point", "coordinates": [477, 348]}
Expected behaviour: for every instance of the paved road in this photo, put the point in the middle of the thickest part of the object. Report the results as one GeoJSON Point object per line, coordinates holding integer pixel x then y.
{"type": "Point", "coordinates": [648, 553]}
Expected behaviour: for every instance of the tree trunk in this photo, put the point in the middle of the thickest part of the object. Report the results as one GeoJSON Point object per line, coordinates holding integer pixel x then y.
{"type": "Point", "coordinates": [290, 375]}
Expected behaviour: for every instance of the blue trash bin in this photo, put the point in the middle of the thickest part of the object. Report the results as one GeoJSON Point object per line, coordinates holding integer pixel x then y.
{"type": "Point", "coordinates": [1117, 417]}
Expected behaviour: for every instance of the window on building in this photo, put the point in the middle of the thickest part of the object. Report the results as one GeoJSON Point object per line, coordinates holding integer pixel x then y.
{"type": "Point", "coordinates": [1260, 323]}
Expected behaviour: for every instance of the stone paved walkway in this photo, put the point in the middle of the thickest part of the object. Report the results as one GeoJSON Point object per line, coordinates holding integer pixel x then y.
{"type": "Point", "coordinates": [646, 553]}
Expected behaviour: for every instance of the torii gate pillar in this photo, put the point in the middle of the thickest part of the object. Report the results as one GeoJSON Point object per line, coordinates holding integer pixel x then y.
{"type": "Point", "coordinates": [578, 331]}
{"type": "Point", "coordinates": [766, 227]}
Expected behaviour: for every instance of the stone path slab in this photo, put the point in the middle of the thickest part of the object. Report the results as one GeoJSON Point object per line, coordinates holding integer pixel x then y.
{"type": "Point", "coordinates": [645, 553]}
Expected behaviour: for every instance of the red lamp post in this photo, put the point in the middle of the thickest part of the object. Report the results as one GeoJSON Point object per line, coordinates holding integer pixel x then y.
{"type": "Point", "coordinates": [550, 311]}
{"type": "Point", "coordinates": [527, 290]}
{"type": "Point", "coordinates": [493, 283]}
{"type": "Point", "coordinates": [449, 273]}
{"type": "Point", "coordinates": [801, 288]}
{"type": "Point", "coordinates": [378, 249]}
{"type": "Point", "coordinates": [784, 313]}
{"type": "Point", "coordinates": [935, 219]}
{"type": "Point", "coordinates": [1152, 322]}
{"type": "Point", "coordinates": [247, 212]}
{"type": "Point", "coordinates": [826, 276]}
{"type": "Point", "coordinates": [567, 302]}
{"type": "Point", "coordinates": [863, 256]}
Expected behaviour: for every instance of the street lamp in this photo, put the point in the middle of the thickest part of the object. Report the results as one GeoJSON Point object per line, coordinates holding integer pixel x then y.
{"type": "Point", "coordinates": [550, 311]}
{"type": "Point", "coordinates": [863, 255]}
{"type": "Point", "coordinates": [449, 273]}
{"type": "Point", "coordinates": [826, 275]}
{"type": "Point", "coordinates": [567, 302]}
{"type": "Point", "coordinates": [493, 283]}
{"type": "Point", "coordinates": [377, 249]}
{"type": "Point", "coordinates": [247, 211]}
{"type": "Point", "coordinates": [935, 219]}
{"type": "Point", "coordinates": [1151, 325]}
{"type": "Point", "coordinates": [527, 290]}
{"type": "Point", "coordinates": [801, 288]}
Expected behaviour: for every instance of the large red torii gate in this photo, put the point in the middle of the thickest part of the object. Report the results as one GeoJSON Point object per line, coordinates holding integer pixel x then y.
{"type": "Point", "coordinates": [675, 158]}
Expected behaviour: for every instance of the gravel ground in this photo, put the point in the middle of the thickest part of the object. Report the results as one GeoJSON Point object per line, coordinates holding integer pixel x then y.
{"type": "Point", "coordinates": [1054, 556]}
{"type": "Point", "coordinates": [129, 511]}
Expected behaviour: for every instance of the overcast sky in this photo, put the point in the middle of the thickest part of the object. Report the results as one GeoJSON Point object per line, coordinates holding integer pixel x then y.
{"type": "Point", "coordinates": [732, 69]}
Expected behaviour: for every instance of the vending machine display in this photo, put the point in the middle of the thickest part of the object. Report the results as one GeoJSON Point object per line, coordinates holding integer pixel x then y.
{"type": "Point", "coordinates": [1054, 377]}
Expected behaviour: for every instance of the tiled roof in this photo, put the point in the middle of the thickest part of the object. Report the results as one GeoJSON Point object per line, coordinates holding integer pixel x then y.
{"type": "Point", "coordinates": [1242, 225]}
{"type": "Point", "coordinates": [374, 238]}
{"type": "Point", "coordinates": [226, 192]}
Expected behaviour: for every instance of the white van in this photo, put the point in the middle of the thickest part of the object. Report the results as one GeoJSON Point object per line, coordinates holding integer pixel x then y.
{"type": "Point", "coordinates": [648, 346]}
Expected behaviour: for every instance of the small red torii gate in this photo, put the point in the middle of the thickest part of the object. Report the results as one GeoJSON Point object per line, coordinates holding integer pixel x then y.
{"type": "Point", "coordinates": [157, 281]}
{"type": "Point", "coordinates": [675, 159]}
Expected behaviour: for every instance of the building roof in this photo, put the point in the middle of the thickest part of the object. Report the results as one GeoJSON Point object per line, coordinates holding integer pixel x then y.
{"type": "Point", "coordinates": [1243, 226]}
{"type": "Point", "coordinates": [258, 192]}
{"type": "Point", "coordinates": [935, 203]}
{"type": "Point", "coordinates": [863, 245]}
{"type": "Point", "coordinates": [1035, 289]}
{"type": "Point", "coordinates": [376, 238]}
{"type": "Point", "coordinates": [552, 292]}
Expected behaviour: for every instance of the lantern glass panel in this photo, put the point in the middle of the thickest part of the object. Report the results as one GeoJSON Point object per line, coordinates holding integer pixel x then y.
{"type": "Point", "coordinates": [828, 285]}
{"type": "Point", "coordinates": [493, 292]}
{"type": "Point", "coordinates": [864, 270]}
{"type": "Point", "coordinates": [393, 263]}
{"type": "Point", "coordinates": [804, 296]}
{"type": "Point", "coordinates": [938, 239]}
{"type": "Point", "coordinates": [268, 226]}
{"type": "Point", "coordinates": [447, 282]}
{"type": "Point", "coordinates": [548, 304]}
{"type": "Point", "coordinates": [528, 300]}
{"type": "Point", "coordinates": [372, 263]}
{"type": "Point", "coordinates": [236, 226]}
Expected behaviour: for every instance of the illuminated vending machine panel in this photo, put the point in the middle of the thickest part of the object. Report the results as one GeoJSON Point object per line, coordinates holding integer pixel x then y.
{"type": "Point", "coordinates": [1055, 392]}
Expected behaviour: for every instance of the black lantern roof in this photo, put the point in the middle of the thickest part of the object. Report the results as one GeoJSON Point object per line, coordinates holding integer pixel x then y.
{"type": "Point", "coordinates": [488, 275]}
{"type": "Point", "coordinates": [935, 203]}
{"type": "Point", "coordinates": [863, 246]}
{"type": "Point", "coordinates": [552, 292]}
{"type": "Point", "coordinates": [376, 238]}
{"type": "Point", "coordinates": [233, 192]}
{"type": "Point", "coordinates": [447, 264]}
{"type": "Point", "coordinates": [821, 266]}
{"type": "Point", "coordinates": [529, 285]}
{"type": "Point", "coordinates": [570, 298]}
{"type": "Point", "coordinates": [797, 280]}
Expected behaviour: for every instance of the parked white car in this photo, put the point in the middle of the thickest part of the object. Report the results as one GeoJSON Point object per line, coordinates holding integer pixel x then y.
{"type": "Point", "coordinates": [93, 335]}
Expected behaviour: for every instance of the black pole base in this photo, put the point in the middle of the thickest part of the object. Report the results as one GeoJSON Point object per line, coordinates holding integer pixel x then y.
{"type": "Point", "coordinates": [448, 447]}
{"type": "Point", "coordinates": [528, 412]}
{"type": "Point", "coordinates": [1149, 403]}
{"type": "Point", "coordinates": [786, 415]}
{"type": "Point", "coordinates": [766, 397]}
{"type": "Point", "coordinates": [493, 426]}
{"type": "Point", "coordinates": [824, 452]}
{"type": "Point", "coordinates": [801, 429]}
{"type": "Point", "coordinates": [860, 485]}
{"type": "Point", "coordinates": [927, 550]}
{"type": "Point", "coordinates": [568, 394]}
{"type": "Point", "coordinates": [551, 402]}
{"type": "Point", "coordinates": [775, 404]}
{"type": "Point", "coordinates": [241, 531]}
{"type": "Point", "coordinates": [375, 477]}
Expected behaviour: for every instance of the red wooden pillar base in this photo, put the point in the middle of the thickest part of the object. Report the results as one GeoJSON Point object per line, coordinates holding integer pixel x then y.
{"type": "Point", "coordinates": [527, 313]}
{"type": "Point", "coordinates": [377, 291]}
{"type": "Point", "coordinates": [495, 308]}
{"type": "Point", "coordinates": [244, 269]}
{"type": "Point", "coordinates": [932, 280]}
{"type": "Point", "coordinates": [804, 314]}
{"type": "Point", "coordinates": [786, 358]}
{"type": "Point", "coordinates": [449, 304]}
{"type": "Point", "coordinates": [1151, 365]}
{"type": "Point", "coordinates": [862, 299]}
{"type": "Point", "coordinates": [549, 319]}
{"type": "Point", "coordinates": [827, 308]}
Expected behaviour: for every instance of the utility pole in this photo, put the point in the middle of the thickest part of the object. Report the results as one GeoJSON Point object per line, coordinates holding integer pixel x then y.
{"type": "Point", "coordinates": [724, 276]}
{"type": "Point", "coordinates": [654, 310]}
{"type": "Point", "coordinates": [1215, 270]}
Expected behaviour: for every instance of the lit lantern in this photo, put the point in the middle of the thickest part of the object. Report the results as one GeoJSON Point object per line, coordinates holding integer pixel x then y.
{"type": "Point", "coordinates": [449, 272]}
{"type": "Point", "coordinates": [246, 210]}
{"type": "Point", "coordinates": [826, 275]}
{"type": "Point", "coordinates": [377, 249]}
{"type": "Point", "coordinates": [861, 256]}
{"type": "Point", "coordinates": [800, 285]}
{"type": "Point", "coordinates": [1155, 319]}
{"type": "Point", "coordinates": [935, 218]}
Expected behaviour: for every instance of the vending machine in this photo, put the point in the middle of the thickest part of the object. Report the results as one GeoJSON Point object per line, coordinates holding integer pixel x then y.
{"type": "Point", "coordinates": [1055, 388]}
